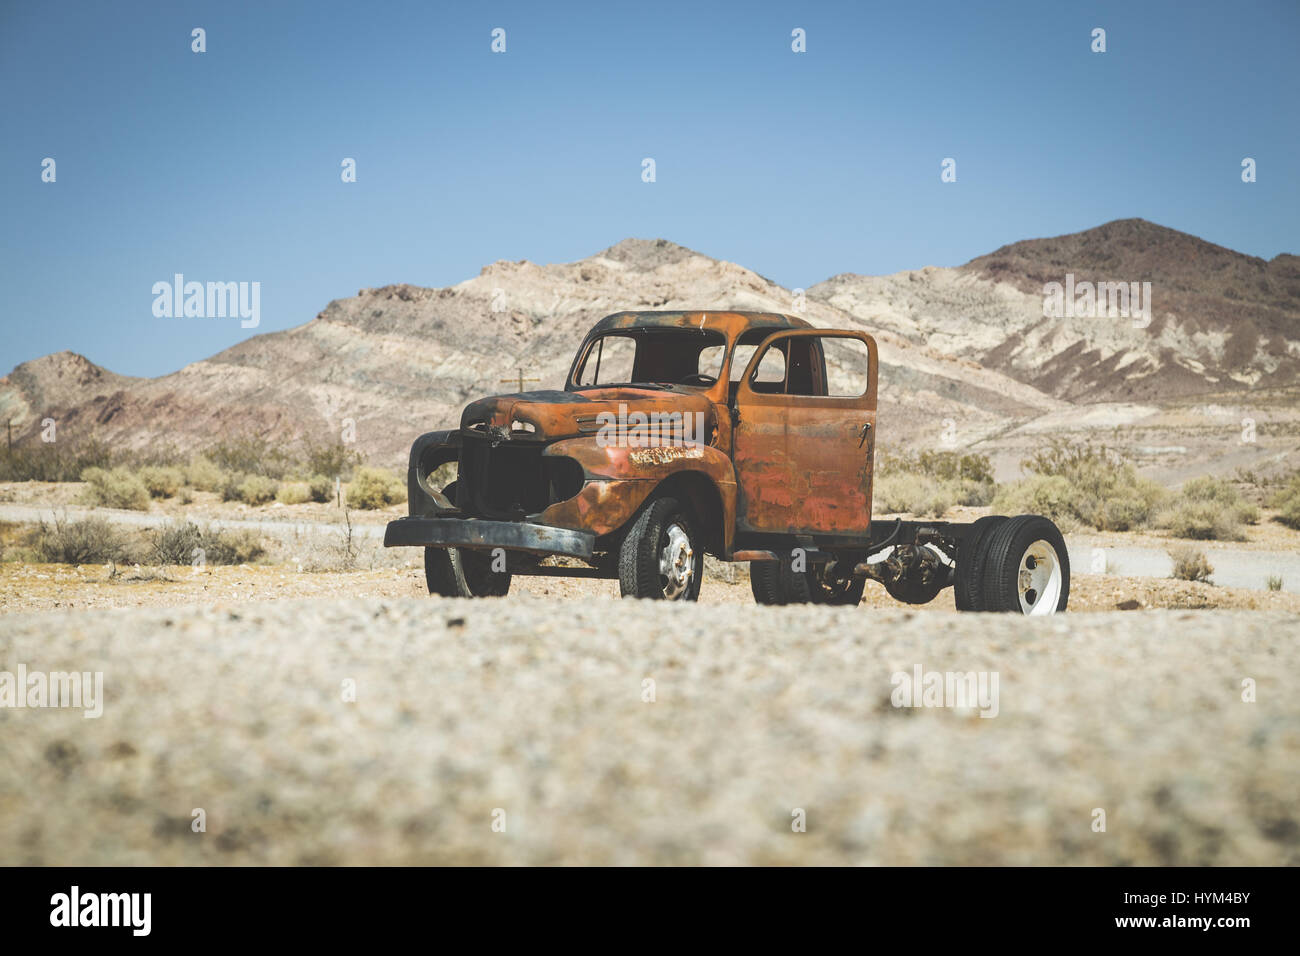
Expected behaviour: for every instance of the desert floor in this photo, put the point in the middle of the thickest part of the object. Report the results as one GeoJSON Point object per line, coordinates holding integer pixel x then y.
{"type": "Point", "coordinates": [343, 716]}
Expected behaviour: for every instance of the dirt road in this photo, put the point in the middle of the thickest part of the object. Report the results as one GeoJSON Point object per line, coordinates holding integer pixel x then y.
{"type": "Point", "coordinates": [535, 715]}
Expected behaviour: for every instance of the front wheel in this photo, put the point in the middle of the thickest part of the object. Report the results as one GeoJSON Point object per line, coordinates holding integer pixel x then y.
{"type": "Point", "coordinates": [457, 572]}
{"type": "Point", "coordinates": [662, 556]}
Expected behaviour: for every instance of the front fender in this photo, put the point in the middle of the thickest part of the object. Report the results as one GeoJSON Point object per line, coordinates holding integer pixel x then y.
{"type": "Point", "coordinates": [428, 452]}
{"type": "Point", "coordinates": [618, 480]}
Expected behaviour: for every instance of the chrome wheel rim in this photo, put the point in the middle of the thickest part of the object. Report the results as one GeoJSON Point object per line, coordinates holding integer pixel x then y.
{"type": "Point", "coordinates": [1038, 581]}
{"type": "Point", "coordinates": [676, 562]}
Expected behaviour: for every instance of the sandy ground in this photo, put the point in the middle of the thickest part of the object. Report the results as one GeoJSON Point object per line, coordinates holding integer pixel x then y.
{"type": "Point", "coordinates": [602, 732]}
{"type": "Point", "coordinates": [38, 587]}
{"type": "Point", "coordinates": [228, 690]}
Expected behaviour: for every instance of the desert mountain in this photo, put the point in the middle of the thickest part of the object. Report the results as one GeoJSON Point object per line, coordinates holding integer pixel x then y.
{"type": "Point", "coordinates": [401, 359]}
{"type": "Point", "coordinates": [1219, 320]}
{"type": "Point", "coordinates": [48, 385]}
{"type": "Point", "coordinates": [966, 353]}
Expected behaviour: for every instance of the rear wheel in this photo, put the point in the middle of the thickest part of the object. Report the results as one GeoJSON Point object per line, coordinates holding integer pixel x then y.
{"type": "Point", "coordinates": [662, 556]}
{"type": "Point", "coordinates": [776, 582]}
{"type": "Point", "coordinates": [968, 586]}
{"type": "Point", "coordinates": [1027, 567]}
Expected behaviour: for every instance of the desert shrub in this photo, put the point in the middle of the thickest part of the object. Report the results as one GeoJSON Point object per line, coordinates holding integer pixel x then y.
{"type": "Point", "coordinates": [163, 481]}
{"type": "Point", "coordinates": [166, 455]}
{"type": "Point", "coordinates": [1190, 564]}
{"type": "Point", "coordinates": [931, 482]}
{"type": "Point", "coordinates": [1200, 521]}
{"type": "Point", "coordinates": [1208, 509]}
{"type": "Point", "coordinates": [1222, 493]}
{"type": "Point", "coordinates": [203, 474]}
{"type": "Point", "coordinates": [87, 541]}
{"type": "Point", "coordinates": [184, 542]}
{"type": "Point", "coordinates": [1287, 502]}
{"type": "Point", "coordinates": [321, 488]}
{"type": "Point", "coordinates": [915, 494]}
{"type": "Point", "coordinates": [330, 460]}
{"type": "Point", "coordinates": [1050, 495]}
{"type": "Point", "coordinates": [293, 493]}
{"type": "Point", "coordinates": [1273, 582]}
{"type": "Point", "coordinates": [375, 488]}
{"type": "Point", "coordinates": [115, 488]}
{"type": "Point", "coordinates": [256, 490]}
{"type": "Point", "coordinates": [251, 455]}
{"type": "Point", "coordinates": [1099, 488]}
{"type": "Point", "coordinates": [61, 460]}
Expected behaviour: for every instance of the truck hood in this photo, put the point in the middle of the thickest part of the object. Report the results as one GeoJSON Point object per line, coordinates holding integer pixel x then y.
{"type": "Point", "coordinates": [555, 414]}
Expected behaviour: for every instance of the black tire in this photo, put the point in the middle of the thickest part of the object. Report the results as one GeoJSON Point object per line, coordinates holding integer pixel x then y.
{"type": "Point", "coordinates": [968, 585]}
{"type": "Point", "coordinates": [639, 568]}
{"type": "Point", "coordinates": [458, 572]}
{"type": "Point", "coordinates": [765, 582]}
{"type": "Point", "coordinates": [1032, 545]}
{"type": "Point", "coordinates": [776, 583]}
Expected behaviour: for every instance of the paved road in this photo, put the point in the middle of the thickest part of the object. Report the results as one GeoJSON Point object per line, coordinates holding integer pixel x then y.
{"type": "Point", "coordinates": [143, 519]}
{"type": "Point", "coordinates": [536, 709]}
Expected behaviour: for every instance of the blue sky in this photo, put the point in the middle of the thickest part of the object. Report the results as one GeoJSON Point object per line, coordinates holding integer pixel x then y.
{"type": "Point", "coordinates": [226, 165]}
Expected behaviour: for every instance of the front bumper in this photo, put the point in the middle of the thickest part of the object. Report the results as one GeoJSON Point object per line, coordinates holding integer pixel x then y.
{"type": "Point", "coordinates": [476, 533]}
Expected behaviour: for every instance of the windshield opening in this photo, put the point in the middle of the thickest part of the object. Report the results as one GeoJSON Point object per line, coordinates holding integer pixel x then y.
{"type": "Point", "coordinates": [661, 357]}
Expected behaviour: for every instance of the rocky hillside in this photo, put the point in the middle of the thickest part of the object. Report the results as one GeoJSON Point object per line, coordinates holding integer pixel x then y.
{"type": "Point", "coordinates": [49, 385]}
{"type": "Point", "coordinates": [1218, 320]}
{"type": "Point", "coordinates": [402, 359]}
{"type": "Point", "coordinates": [966, 353]}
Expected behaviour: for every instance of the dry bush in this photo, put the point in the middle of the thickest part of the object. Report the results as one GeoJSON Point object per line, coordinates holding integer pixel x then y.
{"type": "Point", "coordinates": [1190, 564]}
{"type": "Point", "coordinates": [116, 488]}
{"type": "Point", "coordinates": [321, 489]}
{"type": "Point", "coordinates": [250, 489]}
{"type": "Point", "coordinates": [1208, 509]}
{"type": "Point", "coordinates": [251, 455]}
{"type": "Point", "coordinates": [1098, 488]}
{"type": "Point", "coordinates": [87, 541]}
{"type": "Point", "coordinates": [293, 493]}
{"type": "Point", "coordinates": [932, 482]}
{"type": "Point", "coordinates": [163, 481]}
{"type": "Point", "coordinates": [330, 460]}
{"type": "Point", "coordinates": [1287, 501]}
{"type": "Point", "coordinates": [1049, 495]}
{"type": "Point", "coordinates": [183, 542]}
{"type": "Point", "coordinates": [919, 495]}
{"type": "Point", "coordinates": [375, 488]}
{"type": "Point", "coordinates": [203, 474]}
{"type": "Point", "coordinates": [61, 460]}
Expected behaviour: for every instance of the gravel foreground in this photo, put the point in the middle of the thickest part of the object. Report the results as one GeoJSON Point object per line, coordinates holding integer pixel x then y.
{"type": "Point", "coordinates": [531, 713]}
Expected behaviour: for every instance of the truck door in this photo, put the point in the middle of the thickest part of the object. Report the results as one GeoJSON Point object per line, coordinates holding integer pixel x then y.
{"type": "Point", "coordinates": [804, 434]}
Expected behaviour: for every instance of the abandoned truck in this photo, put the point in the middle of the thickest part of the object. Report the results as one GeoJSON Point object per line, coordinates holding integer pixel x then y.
{"type": "Point", "coordinates": [747, 436]}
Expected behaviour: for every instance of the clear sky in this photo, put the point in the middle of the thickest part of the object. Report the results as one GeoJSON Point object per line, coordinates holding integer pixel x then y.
{"type": "Point", "coordinates": [225, 165]}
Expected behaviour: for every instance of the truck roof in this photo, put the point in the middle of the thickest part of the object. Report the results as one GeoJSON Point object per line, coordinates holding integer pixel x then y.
{"type": "Point", "coordinates": [729, 323]}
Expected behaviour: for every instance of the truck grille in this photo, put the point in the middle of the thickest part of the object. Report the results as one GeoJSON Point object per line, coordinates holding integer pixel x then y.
{"type": "Point", "coordinates": [511, 480]}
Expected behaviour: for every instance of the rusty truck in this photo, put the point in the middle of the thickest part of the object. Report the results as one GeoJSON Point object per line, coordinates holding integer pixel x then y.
{"type": "Point", "coordinates": [742, 435]}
